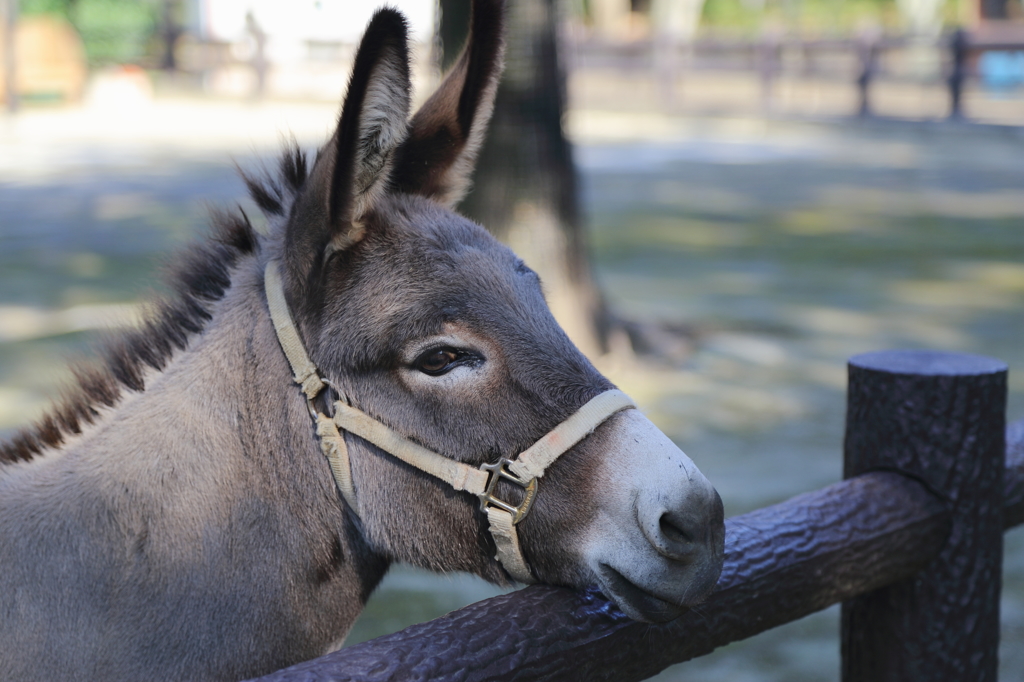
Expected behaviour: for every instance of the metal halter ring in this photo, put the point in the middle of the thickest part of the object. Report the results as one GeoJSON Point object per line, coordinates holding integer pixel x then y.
{"type": "Point", "coordinates": [313, 412]}
{"type": "Point", "coordinates": [498, 471]}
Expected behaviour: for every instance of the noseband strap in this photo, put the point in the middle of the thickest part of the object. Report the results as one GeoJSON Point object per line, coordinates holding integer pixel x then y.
{"type": "Point", "coordinates": [524, 471]}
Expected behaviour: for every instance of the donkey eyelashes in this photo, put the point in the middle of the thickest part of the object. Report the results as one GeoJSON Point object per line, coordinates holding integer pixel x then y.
{"type": "Point", "coordinates": [441, 360]}
{"type": "Point", "coordinates": [457, 354]}
{"type": "Point", "coordinates": [437, 361]}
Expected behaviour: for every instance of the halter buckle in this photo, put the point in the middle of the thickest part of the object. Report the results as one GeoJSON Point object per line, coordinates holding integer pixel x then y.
{"type": "Point", "coordinates": [498, 471]}
{"type": "Point", "coordinates": [311, 404]}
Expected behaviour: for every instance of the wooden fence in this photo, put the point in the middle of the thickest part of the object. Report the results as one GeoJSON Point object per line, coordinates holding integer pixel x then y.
{"type": "Point", "coordinates": [858, 61]}
{"type": "Point", "coordinates": [961, 48]}
{"type": "Point", "coordinates": [910, 543]}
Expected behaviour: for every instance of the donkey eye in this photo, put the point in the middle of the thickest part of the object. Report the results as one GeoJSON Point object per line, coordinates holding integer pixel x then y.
{"type": "Point", "coordinates": [437, 361]}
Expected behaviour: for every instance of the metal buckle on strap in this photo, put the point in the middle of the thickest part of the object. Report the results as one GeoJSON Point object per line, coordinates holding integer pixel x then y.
{"type": "Point", "coordinates": [498, 471]}
{"type": "Point", "coordinates": [311, 405]}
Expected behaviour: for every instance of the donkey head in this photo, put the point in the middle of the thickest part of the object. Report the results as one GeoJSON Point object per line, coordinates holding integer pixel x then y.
{"type": "Point", "coordinates": [428, 324]}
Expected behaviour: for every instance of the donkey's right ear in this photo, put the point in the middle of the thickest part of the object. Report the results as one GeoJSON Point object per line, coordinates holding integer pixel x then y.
{"type": "Point", "coordinates": [353, 170]}
{"type": "Point", "coordinates": [446, 133]}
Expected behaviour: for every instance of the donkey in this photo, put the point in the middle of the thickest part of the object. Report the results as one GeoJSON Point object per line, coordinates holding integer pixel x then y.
{"type": "Point", "coordinates": [175, 519]}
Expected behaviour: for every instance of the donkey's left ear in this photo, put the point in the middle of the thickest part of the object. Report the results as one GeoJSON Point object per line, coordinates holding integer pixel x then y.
{"type": "Point", "coordinates": [353, 170]}
{"type": "Point", "coordinates": [445, 135]}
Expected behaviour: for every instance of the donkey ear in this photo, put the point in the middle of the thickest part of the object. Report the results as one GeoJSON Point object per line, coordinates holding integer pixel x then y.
{"type": "Point", "coordinates": [353, 169]}
{"type": "Point", "coordinates": [445, 135]}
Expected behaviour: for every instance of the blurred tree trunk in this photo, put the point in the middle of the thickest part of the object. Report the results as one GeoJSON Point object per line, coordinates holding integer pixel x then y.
{"type": "Point", "coordinates": [452, 28]}
{"type": "Point", "coordinates": [994, 9]}
{"type": "Point", "coordinates": [170, 30]}
{"type": "Point", "coordinates": [525, 187]}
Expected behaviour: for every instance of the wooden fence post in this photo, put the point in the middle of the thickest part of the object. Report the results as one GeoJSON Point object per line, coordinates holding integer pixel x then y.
{"type": "Point", "coordinates": [938, 418]}
{"type": "Point", "coordinates": [867, 49]}
{"type": "Point", "coordinates": [958, 73]}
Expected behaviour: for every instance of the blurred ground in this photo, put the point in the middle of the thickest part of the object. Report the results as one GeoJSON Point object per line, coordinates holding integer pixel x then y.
{"type": "Point", "coordinates": [787, 246]}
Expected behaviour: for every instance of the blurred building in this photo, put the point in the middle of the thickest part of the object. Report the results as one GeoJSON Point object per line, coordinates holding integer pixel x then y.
{"type": "Point", "coordinates": [50, 57]}
{"type": "Point", "coordinates": [298, 48]}
{"type": "Point", "coordinates": [284, 48]}
{"type": "Point", "coordinates": [291, 25]}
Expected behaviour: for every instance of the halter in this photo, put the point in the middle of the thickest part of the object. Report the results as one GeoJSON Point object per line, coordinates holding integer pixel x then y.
{"type": "Point", "coordinates": [524, 471]}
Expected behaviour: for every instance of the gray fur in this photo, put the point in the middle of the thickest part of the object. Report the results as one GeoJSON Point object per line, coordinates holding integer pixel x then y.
{"type": "Point", "coordinates": [193, 530]}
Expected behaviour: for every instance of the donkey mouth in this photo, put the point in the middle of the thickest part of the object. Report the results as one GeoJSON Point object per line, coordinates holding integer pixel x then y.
{"type": "Point", "coordinates": [634, 601]}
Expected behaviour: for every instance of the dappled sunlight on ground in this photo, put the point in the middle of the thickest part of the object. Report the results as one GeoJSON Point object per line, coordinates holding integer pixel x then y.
{"type": "Point", "coordinates": [22, 323]}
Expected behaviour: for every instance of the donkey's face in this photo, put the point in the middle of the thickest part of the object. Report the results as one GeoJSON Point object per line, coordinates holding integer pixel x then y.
{"type": "Point", "coordinates": [432, 327]}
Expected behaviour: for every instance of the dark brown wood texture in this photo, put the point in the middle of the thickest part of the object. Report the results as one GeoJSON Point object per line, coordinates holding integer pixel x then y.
{"type": "Point", "coordinates": [940, 418]}
{"type": "Point", "coordinates": [782, 562]}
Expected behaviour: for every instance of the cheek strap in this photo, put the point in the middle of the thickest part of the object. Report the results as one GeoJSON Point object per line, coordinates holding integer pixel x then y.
{"type": "Point", "coordinates": [524, 471]}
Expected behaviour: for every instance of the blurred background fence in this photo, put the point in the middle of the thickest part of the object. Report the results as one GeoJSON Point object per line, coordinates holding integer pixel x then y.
{"type": "Point", "coordinates": [775, 75]}
{"type": "Point", "coordinates": [914, 59]}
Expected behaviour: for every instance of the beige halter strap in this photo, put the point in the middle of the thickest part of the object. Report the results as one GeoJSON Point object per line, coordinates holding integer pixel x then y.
{"type": "Point", "coordinates": [523, 471]}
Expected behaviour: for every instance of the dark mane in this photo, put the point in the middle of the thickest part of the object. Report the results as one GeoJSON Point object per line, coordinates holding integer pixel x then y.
{"type": "Point", "coordinates": [198, 277]}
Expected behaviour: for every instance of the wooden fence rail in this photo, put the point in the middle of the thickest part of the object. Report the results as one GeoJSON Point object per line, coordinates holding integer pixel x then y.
{"type": "Point", "coordinates": [861, 60]}
{"type": "Point", "coordinates": [918, 423]}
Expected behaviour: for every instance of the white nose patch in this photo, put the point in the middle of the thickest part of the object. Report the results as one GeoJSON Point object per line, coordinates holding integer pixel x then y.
{"type": "Point", "coordinates": [648, 457]}
{"type": "Point", "coordinates": [654, 519]}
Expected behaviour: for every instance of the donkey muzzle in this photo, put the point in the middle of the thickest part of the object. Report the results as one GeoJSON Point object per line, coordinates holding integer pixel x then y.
{"type": "Point", "coordinates": [658, 543]}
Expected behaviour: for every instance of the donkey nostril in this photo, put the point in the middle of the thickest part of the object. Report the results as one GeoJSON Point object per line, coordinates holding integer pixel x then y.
{"type": "Point", "coordinates": [673, 532]}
